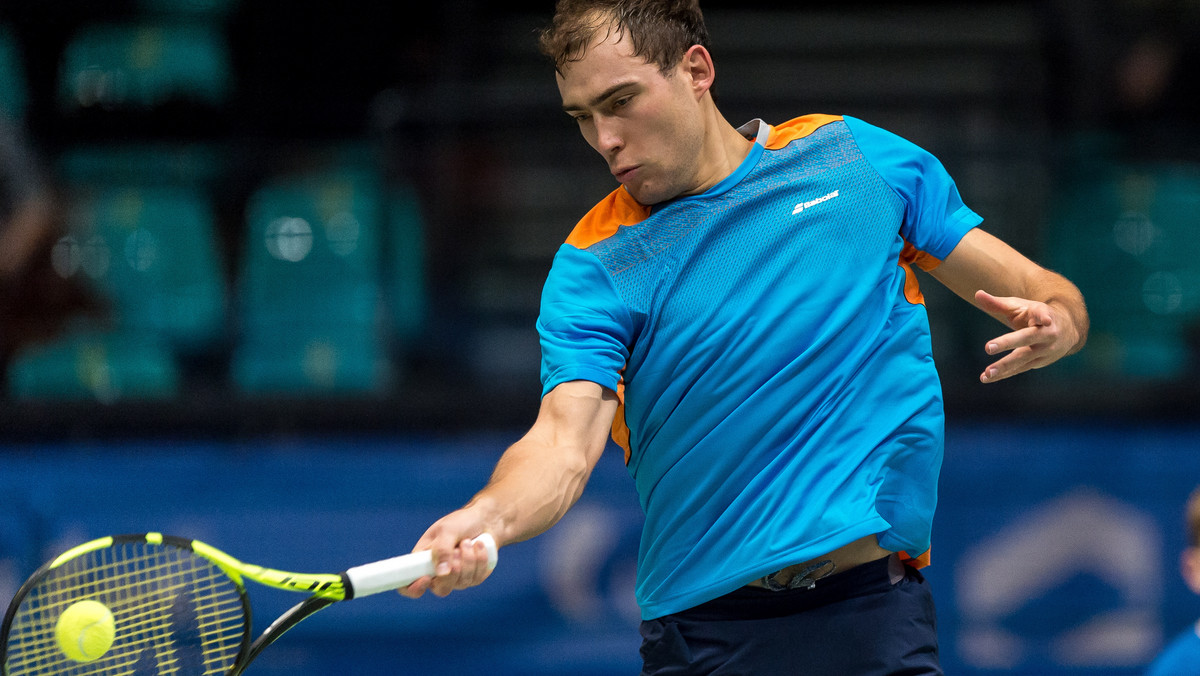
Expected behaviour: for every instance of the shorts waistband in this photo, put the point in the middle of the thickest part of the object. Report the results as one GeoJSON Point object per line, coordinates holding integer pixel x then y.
{"type": "Point", "coordinates": [806, 573]}
{"type": "Point", "coordinates": [751, 602]}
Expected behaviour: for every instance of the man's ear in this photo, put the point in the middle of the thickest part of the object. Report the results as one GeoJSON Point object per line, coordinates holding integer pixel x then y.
{"type": "Point", "coordinates": [697, 66]}
{"type": "Point", "coordinates": [1189, 566]}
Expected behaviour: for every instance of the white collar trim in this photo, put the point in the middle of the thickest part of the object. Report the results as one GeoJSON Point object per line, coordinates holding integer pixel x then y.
{"type": "Point", "coordinates": [757, 129]}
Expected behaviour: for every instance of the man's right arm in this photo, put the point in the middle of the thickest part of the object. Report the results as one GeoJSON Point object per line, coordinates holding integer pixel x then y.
{"type": "Point", "coordinates": [533, 485]}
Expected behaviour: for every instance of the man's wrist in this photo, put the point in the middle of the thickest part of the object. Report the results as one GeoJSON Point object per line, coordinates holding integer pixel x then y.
{"type": "Point", "coordinates": [1076, 316]}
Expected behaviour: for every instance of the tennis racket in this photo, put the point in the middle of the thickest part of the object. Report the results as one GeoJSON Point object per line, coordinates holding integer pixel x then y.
{"type": "Point", "coordinates": [178, 606]}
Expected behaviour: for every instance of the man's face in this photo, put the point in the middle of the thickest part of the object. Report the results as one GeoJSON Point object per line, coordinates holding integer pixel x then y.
{"type": "Point", "coordinates": [646, 125]}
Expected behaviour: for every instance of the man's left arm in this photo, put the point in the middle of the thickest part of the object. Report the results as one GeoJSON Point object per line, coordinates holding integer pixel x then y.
{"type": "Point", "coordinates": [1045, 310]}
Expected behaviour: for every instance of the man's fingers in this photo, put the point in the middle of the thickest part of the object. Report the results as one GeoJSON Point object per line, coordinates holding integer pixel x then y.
{"type": "Point", "coordinates": [1018, 361]}
{"type": "Point", "coordinates": [1037, 339]}
{"type": "Point", "coordinates": [475, 563]}
{"type": "Point", "coordinates": [447, 574]}
{"type": "Point", "coordinates": [466, 566]}
{"type": "Point", "coordinates": [995, 304]}
{"type": "Point", "coordinates": [984, 298]}
{"type": "Point", "coordinates": [1010, 341]}
{"type": "Point", "coordinates": [417, 589]}
{"type": "Point", "coordinates": [1007, 367]}
{"type": "Point", "coordinates": [457, 563]}
{"type": "Point", "coordinates": [1023, 347]}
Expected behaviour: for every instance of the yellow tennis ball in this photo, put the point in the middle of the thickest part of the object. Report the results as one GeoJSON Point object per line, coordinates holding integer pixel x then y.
{"type": "Point", "coordinates": [85, 630]}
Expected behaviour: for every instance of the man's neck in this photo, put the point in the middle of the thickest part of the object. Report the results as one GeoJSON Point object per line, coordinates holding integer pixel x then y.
{"type": "Point", "coordinates": [725, 149]}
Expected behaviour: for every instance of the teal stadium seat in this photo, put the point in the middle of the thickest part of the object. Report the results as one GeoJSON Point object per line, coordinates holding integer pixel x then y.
{"type": "Point", "coordinates": [89, 364]}
{"type": "Point", "coordinates": [164, 276]}
{"type": "Point", "coordinates": [13, 93]}
{"type": "Point", "coordinates": [147, 163]}
{"type": "Point", "coordinates": [310, 295]}
{"type": "Point", "coordinates": [145, 65]}
{"type": "Point", "coordinates": [1127, 236]}
{"type": "Point", "coordinates": [405, 273]}
{"type": "Point", "coordinates": [150, 253]}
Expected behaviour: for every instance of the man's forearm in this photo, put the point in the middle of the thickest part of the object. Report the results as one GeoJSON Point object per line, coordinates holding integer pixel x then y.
{"type": "Point", "coordinates": [531, 488]}
{"type": "Point", "coordinates": [538, 478]}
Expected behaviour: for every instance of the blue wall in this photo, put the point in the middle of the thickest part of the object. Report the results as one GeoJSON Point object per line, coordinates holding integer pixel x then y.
{"type": "Point", "coordinates": [1055, 547]}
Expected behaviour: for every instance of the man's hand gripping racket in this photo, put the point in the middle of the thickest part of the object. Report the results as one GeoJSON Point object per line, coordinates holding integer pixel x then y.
{"type": "Point", "coordinates": [157, 604]}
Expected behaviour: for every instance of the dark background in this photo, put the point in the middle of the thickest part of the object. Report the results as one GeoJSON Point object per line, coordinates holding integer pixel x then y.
{"type": "Point", "coordinates": [1019, 100]}
{"type": "Point", "coordinates": [1071, 126]}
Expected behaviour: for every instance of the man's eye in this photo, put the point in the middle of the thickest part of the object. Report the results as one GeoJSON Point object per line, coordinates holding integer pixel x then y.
{"type": "Point", "coordinates": [621, 102]}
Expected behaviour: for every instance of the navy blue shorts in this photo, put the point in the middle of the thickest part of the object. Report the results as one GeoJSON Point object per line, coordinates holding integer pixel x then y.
{"type": "Point", "coordinates": [855, 623]}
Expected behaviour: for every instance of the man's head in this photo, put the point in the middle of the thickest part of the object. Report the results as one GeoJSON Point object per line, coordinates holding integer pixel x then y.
{"type": "Point", "coordinates": [1191, 556]}
{"type": "Point", "coordinates": [636, 76]}
{"type": "Point", "coordinates": [659, 31]}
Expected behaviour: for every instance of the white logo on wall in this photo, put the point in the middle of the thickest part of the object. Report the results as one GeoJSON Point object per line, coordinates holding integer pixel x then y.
{"type": "Point", "coordinates": [587, 575]}
{"type": "Point", "coordinates": [1081, 533]}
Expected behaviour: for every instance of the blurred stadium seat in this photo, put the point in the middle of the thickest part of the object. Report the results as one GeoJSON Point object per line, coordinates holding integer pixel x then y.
{"type": "Point", "coordinates": [194, 165]}
{"type": "Point", "coordinates": [405, 267]}
{"type": "Point", "coordinates": [164, 276]}
{"type": "Point", "coordinates": [1127, 235]}
{"type": "Point", "coordinates": [13, 95]}
{"type": "Point", "coordinates": [89, 364]}
{"type": "Point", "coordinates": [309, 288]}
{"type": "Point", "coordinates": [150, 252]}
{"type": "Point", "coordinates": [144, 65]}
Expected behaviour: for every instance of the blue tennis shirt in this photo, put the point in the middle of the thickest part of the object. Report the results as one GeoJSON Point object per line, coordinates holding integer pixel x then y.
{"type": "Point", "coordinates": [770, 347]}
{"type": "Point", "coordinates": [1181, 657]}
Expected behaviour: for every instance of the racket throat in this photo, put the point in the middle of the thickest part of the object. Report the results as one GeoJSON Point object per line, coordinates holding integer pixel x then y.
{"type": "Point", "coordinates": [280, 627]}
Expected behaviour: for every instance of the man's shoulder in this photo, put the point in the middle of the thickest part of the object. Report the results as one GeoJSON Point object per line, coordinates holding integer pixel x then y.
{"type": "Point", "coordinates": [798, 128]}
{"type": "Point", "coordinates": [601, 222]}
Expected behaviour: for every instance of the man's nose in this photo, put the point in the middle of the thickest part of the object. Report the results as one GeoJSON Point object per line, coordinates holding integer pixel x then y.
{"type": "Point", "coordinates": [608, 136]}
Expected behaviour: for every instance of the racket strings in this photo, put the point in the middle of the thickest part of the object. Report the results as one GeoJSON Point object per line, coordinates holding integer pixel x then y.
{"type": "Point", "coordinates": [143, 621]}
{"type": "Point", "coordinates": [174, 613]}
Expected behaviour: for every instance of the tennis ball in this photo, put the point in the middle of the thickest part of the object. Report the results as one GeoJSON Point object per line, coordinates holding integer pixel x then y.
{"type": "Point", "coordinates": [85, 630]}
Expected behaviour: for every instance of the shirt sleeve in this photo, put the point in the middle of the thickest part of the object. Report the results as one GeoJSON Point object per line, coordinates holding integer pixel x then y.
{"type": "Point", "coordinates": [935, 218]}
{"type": "Point", "coordinates": [584, 327]}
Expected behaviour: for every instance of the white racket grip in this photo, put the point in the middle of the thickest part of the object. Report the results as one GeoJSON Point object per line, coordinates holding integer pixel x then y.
{"type": "Point", "coordinates": [401, 571]}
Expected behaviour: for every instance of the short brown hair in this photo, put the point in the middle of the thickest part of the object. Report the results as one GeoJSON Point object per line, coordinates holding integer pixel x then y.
{"type": "Point", "coordinates": [661, 31]}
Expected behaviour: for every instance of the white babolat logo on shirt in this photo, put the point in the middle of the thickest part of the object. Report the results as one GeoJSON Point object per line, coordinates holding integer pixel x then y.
{"type": "Point", "coordinates": [812, 203]}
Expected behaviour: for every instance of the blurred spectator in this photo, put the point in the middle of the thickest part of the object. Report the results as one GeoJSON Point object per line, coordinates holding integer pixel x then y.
{"type": "Point", "coordinates": [35, 301]}
{"type": "Point", "coordinates": [1156, 84]}
{"type": "Point", "coordinates": [1182, 656]}
{"type": "Point", "coordinates": [1129, 69]}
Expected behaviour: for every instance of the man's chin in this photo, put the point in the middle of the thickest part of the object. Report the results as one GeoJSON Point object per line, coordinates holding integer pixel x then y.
{"type": "Point", "coordinates": [646, 195]}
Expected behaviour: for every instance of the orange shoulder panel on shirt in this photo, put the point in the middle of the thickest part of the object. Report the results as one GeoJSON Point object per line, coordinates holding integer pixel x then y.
{"type": "Point", "coordinates": [789, 131]}
{"type": "Point", "coordinates": [909, 256]}
{"type": "Point", "coordinates": [619, 208]}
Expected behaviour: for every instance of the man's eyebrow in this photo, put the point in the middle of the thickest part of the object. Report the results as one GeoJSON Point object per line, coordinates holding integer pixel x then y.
{"type": "Point", "coordinates": [602, 96]}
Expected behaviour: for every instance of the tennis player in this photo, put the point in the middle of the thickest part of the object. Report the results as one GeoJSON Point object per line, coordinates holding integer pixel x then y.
{"type": "Point", "coordinates": [1181, 657]}
{"type": "Point", "coordinates": [743, 316]}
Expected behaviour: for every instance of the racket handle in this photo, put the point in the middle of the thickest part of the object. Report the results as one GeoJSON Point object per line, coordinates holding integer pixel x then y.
{"type": "Point", "coordinates": [401, 571]}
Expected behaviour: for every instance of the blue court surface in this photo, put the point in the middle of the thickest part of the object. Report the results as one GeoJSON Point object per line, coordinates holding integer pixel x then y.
{"type": "Point", "coordinates": [1054, 546]}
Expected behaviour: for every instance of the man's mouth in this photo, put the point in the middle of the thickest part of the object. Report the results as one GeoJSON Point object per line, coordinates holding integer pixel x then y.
{"type": "Point", "coordinates": [622, 174]}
